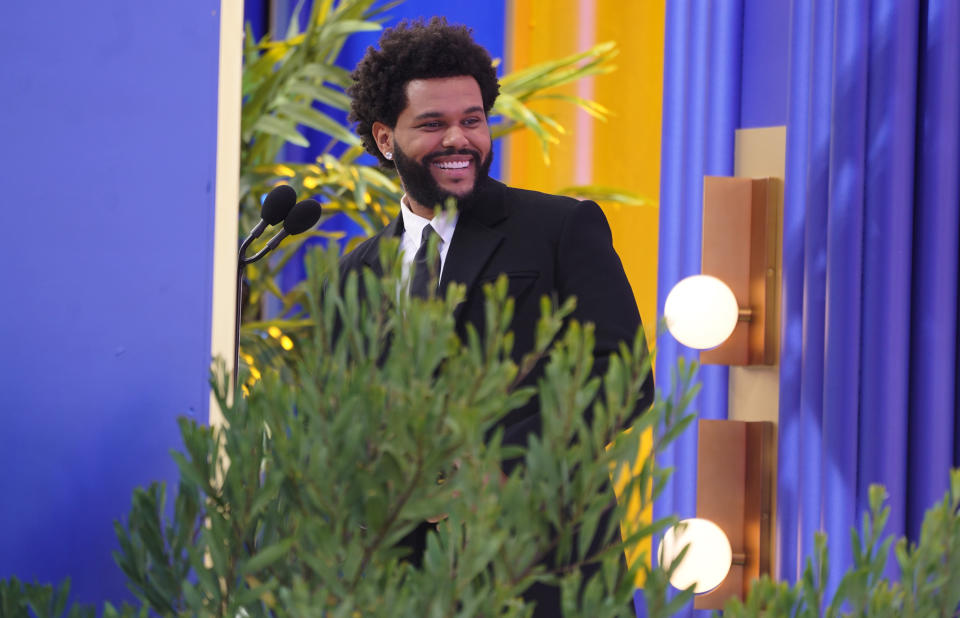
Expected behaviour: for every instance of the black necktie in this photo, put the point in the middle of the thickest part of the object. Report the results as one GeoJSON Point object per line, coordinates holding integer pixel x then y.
{"type": "Point", "coordinates": [425, 267]}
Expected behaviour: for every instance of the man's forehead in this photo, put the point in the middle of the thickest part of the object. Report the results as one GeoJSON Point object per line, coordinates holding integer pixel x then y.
{"type": "Point", "coordinates": [440, 95]}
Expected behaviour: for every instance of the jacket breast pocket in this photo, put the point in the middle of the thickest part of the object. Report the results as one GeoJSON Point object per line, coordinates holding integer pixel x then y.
{"type": "Point", "coordinates": [518, 282]}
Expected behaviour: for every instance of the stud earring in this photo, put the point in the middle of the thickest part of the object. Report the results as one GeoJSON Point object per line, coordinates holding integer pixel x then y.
{"type": "Point", "coordinates": [388, 155]}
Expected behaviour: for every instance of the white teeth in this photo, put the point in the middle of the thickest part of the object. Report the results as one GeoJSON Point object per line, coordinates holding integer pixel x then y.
{"type": "Point", "coordinates": [452, 165]}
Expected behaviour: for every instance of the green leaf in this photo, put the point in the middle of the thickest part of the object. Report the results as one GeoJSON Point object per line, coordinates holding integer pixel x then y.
{"type": "Point", "coordinates": [306, 115]}
{"type": "Point", "coordinates": [189, 472]}
{"type": "Point", "coordinates": [281, 127]}
{"type": "Point", "coordinates": [349, 26]}
{"type": "Point", "coordinates": [331, 97]}
{"type": "Point", "coordinates": [326, 73]}
{"type": "Point", "coordinates": [267, 556]}
{"type": "Point", "coordinates": [544, 74]}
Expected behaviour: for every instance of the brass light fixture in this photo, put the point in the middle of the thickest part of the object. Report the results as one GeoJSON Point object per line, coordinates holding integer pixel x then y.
{"type": "Point", "coordinates": [730, 313]}
{"type": "Point", "coordinates": [739, 249]}
{"type": "Point", "coordinates": [735, 470]}
{"type": "Point", "coordinates": [729, 540]}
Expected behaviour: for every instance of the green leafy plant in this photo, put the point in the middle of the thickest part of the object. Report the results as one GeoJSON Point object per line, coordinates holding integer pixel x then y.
{"type": "Point", "coordinates": [929, 583]}
{"type": "Point", "coordinates": [298, 505]}
{"type": "Point", "coordinates": [24, 600]}
{"type": "Point", "coordinates": [389, 423]}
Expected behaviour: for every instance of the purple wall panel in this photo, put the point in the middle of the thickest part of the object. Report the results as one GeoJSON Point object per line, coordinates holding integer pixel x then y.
{"type": "Point", "coordinates": [108, 158]}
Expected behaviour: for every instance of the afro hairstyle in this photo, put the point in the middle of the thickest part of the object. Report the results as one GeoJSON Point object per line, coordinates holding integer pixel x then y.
{"type": "Point", "coordinates": [414, 50]}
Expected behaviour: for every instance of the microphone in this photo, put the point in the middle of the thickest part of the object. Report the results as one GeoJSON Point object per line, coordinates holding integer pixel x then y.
{"type": "Point", "coordinates": [297, 218]}
{"type": "Point", "coordinates": [277, 204]}
{"type": "Point", "coordinates": [275, 208]}
{"type": "Point", "coordinates": [303, 216]}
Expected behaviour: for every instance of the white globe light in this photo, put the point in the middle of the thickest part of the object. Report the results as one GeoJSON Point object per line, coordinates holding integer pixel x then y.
{"type": "Point", "coordinates": [705, 564]}
{"type": "Point", "coordinates": [701, 312]}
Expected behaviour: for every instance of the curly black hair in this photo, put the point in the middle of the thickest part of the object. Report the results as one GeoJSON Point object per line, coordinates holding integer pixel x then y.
{"type": "Point", "coordinates": [414, 50]}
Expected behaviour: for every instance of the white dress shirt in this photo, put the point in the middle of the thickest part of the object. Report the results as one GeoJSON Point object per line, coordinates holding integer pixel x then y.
{"type": "Point", "coordinates": [443, 224]}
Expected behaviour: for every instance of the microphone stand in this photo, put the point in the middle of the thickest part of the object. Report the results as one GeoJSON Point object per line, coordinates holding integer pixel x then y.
{"type": "Point", "coordinates": [304, 215]}
{"type": "Point", "coordinates": [241, 265]}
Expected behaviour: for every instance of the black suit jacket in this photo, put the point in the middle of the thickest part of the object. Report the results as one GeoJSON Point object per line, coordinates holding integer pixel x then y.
{"type": "Point", "coordinates": [546, 245]}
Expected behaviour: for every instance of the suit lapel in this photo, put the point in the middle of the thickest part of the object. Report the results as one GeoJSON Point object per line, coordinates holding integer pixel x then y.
{"type": "Point", "coordinates": [474, 241]}
{"type": "Point", "coordinates": [371, 256]}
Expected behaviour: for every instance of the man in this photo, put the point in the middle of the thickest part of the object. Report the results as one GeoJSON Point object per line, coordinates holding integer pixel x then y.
{"type": "Point", "coordinates": [421, 103]}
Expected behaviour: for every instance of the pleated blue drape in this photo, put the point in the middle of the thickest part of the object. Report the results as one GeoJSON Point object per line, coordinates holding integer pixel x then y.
{"type": "Point", "coordinates": [701, 107]}
{"type": "Point", "coordinates": [869, 340]}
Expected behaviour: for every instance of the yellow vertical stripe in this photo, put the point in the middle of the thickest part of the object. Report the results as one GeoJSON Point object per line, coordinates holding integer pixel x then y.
{"type": "Point", "coordinates": [626, 149]}
{"type": "Point", "coordinates": [637, 514]}
{"type": "Point", "coordinates": [542, 31]}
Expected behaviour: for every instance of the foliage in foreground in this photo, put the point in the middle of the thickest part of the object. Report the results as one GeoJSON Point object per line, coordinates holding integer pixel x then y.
{"type": "Point", "coordinates": [298, 506]}
{"type": "Point", "coordinates": [928, 586]}
{"type": "Point", "coordinates": [327, 473]}
{"type": "Point", "coordinates": [25, 600]}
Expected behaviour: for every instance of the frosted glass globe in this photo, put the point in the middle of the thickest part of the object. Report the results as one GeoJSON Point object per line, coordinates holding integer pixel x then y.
{"type": "Point", "coordinates": [706, 563]}
{"type": "Point", "coordinates": [701, 312]}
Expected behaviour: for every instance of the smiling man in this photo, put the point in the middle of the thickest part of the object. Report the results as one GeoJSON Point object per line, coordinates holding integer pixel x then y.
{"type": "Point", "coordinates": [421, 103]}
{"type": "Point", "coordinates": [440, 142]}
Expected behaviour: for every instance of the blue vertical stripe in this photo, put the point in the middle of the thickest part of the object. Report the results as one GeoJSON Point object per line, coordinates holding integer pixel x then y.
{"type": "Point", "coordinates": [791, 331]}
{"type": "Point", "coordinates": [815, 273]}
{"type": "Point", "coordinates": [844, 268]}
{"type": "Point", "coordinates": [674, 130]}
{"type": "Point", "coordinates": [887, 251]}
{"type": "Point", "coordinates": [671, 200]}
{"type": "Point", "coordinates": [875, 135]}
{"type": "Point", "coordinates": [934, 336]}
{"type": "Point", "coordinates": [701, 103]}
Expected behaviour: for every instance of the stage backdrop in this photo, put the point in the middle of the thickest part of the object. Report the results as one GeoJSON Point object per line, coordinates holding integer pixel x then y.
{"type": "Point", "coordinates": [108, 117]}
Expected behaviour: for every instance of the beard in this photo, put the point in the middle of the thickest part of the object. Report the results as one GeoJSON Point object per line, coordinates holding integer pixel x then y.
{"type": "Point", "coordinates": [420, 184]}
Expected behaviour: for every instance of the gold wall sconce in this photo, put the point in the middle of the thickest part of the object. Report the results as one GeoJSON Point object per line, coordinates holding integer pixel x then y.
{"type": "Point", "coordinates": [730, 310]}
{"type": "Point", "coordinates": [729, 540]}
{"type": "Point", "coordinates": [730, 313]}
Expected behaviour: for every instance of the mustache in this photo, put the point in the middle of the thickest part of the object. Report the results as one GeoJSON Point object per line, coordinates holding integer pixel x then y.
{"type": "Point", "coordinates": [475, 154]}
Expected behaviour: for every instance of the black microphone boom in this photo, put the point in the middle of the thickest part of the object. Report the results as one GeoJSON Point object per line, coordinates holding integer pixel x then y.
{"type": "Point", "coordinates": [297, 218]}
{"type": "Point", "coordinates": [275, 208]}
{"type": "Point", "coordinates": [302, 217]}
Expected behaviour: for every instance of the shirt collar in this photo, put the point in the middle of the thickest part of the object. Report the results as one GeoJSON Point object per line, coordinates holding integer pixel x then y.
{"type": "Point", "coordinates": [413, 224]}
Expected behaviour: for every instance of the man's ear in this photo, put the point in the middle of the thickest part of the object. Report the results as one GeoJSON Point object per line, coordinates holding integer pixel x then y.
{"type": "Point", "coordinates": [383, 135]}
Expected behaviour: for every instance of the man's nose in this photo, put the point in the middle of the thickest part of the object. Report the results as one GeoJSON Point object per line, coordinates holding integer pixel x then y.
{"type": "Point", "coordinates": [455, 138]}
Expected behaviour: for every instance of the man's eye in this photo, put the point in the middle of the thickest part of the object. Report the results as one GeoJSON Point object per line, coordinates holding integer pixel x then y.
{"type": "Point", "coordinates": [471, 122]}
{"type": "Point", "coordinates": [430, 125]}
